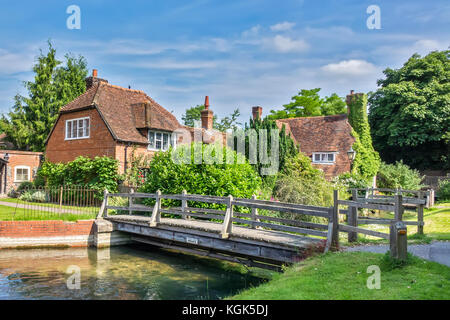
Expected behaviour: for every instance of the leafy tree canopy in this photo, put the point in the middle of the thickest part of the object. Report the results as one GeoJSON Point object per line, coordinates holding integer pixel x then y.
{"type": "Point", "coordinates": [309, 103]}
{"type": "Point", "coordinates": [410, 114]}
{"type": "Point", "coordinates": [32, 117]}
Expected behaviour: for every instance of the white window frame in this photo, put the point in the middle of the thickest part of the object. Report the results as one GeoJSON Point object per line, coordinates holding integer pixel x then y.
{"type": "Point", "coordinates": [322, 155]}
{"type": "Point", "coordinates": [22, 167]}
{"type": "Point", "coordinates": [172, 141]}
{"type": "Point", "coordinates": [72, 121]}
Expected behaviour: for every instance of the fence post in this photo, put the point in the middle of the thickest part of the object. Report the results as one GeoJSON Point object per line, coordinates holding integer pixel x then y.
{"type": "Point", "coordinates": [353, 218]}
{"type": "Point", "coordinates": [184, 204]}
{"type": "Point", "coordinates": [60, 198]}
{"type": "Point", "coordinates": [420, 214]}
{"type": "Point", "coordinates": [398, 214]}
{"type": "Point", "coordinates": [103, 208]}
{"type": "Point", "coordinates": [130, 201]}
{"type": "Point", "coordinates": [254, 214]}
{"type": "Point", "coordinates": [227, 222]}
{"type": "Point", "coordinates": [335, 220]}
{"type": "Point", "coordinates": [156, 214]}
{"type": "Point", "coordinates": [398, 240]}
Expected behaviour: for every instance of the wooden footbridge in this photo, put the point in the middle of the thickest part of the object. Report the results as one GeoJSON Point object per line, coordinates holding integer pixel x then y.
{"type": "Point", "coordinates": [249, 231]}
{"type": "Point", "coordinates": [254, 236]}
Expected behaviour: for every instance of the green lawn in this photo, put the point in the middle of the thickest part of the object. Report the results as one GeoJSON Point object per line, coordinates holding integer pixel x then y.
{"type": "Point", "coordinates": [11, 213]}
{"type": "Point", "coordinates": [343, 276]}
{"type": "Point", "coordinates": [49, 205]}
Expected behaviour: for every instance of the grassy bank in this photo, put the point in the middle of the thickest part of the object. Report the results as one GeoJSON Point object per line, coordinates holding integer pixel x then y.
{"type": "Point", "coordinates": [343, 276]}
{"type": "Point", "coordinates": [11, 213]}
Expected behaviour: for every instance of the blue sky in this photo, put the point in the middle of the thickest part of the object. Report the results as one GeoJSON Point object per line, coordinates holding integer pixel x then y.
{"type": "Point", "coordinates": [240, 53]}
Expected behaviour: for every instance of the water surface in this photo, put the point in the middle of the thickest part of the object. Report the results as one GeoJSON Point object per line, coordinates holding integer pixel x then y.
{"type": "Point", "coordinates": [125, 272]}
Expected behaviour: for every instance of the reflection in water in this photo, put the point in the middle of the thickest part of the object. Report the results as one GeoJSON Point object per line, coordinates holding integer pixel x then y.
{"type": "Point", "coordinates": [126, 272]}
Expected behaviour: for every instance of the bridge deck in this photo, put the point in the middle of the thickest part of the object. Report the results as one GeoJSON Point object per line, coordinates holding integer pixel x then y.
{"type": "Point", "coordinates": [281, 239]}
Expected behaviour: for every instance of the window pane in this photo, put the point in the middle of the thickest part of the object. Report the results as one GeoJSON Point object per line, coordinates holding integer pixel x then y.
{"type": "Point", "coordinates": [69, 130]}
{"type": "Point", "coordinates": [86, 127]}
{"type": "Point", "coordinates": [151, 139]}
{"type": "Point", "coordinates": [158, 144]}
{"type": "Point", "coordinates": [324, 157]}
{"type": "Point", "coordinates": [165, 141]}
{"type": "Point", "coordinates": [317, 157]}
{"type": "Point", "coordinates": [158, 136]}
{"type": "Point", "coordinates": [74, 129]}
{"type": "Point", "coordinates": [80, 128]}
{"type": "Point", "coordinates": [330, 157]}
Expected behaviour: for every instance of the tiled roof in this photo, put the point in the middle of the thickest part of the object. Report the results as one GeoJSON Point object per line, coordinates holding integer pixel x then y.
{"type": "Point", "coordinates": [117, 106]}
{"type": "Point", "coordinates": [316, 134]}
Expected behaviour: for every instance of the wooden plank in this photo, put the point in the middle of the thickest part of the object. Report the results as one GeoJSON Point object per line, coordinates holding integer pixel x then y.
{"type": "Point", "coordinates": [190, 214]}
{"type": "Point", "coordinates": [283, 227]}
{"type": "Point", "coordinates": [244, 203]}
{"type": "Point", "coordinates": [347, 228]}
{"type": "Point", "coordinates": [206, 210]}
{"type": "Point", "coordinates": [366, 205]}
{"type": "Point", "coordinates": [294, 222]}
{"type": "Point", "coordinates": [387, 221]}
{"type": "Point", "coordinates": [283, 209]}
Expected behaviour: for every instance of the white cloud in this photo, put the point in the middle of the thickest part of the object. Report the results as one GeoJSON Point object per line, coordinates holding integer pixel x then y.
{"type": "Point", "coordinates": [353, 67]}
{"type": "Point", "coordinates": [15, 62]}
{"type": "Point", "coordinates": [286, 44]}
{"type": "Point", "coordinates": [252, 32]}
{"type": "Point", "coordinates": [283, 26]}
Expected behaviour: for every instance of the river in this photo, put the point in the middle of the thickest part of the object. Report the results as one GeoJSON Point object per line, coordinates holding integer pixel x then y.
{"type": "Point", "coordinates": [125, 272]}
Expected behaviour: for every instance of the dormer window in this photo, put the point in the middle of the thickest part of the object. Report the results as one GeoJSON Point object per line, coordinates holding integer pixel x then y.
{"type": "Point", "coordinates": [160, 140]}
{"type": "Point", "coordinates": [78, 128]}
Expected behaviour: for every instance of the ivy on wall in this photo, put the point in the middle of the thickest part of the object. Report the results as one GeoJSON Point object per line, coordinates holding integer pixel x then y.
{"type": "Point", "coordinates": [367, 160]}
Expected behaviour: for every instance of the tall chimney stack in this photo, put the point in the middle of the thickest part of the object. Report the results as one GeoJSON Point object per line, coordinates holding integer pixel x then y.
{"type": "Point", "coordinates": [93, 79]}
{"type": "Point", "coordinates": [257, 112]}
{"type": "Point", "coordinates": [207, 116]}
{"type": "Point", "coordinates": [350, 97]}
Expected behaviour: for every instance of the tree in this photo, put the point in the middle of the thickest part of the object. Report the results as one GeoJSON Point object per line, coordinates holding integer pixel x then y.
{"type": "Point", "coordinates": [194, 114]}
{"type": "Point", "coordinates": [32, 117]}
{"type": "Point", "coordinates": [309, 103]}
{"type": "Point", "coordinates": [409, 114]}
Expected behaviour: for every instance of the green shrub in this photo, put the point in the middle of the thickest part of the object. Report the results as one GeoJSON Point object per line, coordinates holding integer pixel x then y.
{"type": "Point", "coordinates": [26, 185]}
{"type": "Point", "coordinates": [444, 190]}
{"type": "Point", "coordinates": [99, 173]}
{"type": "Point", "coordinates": [39, 196]}
{"type": "Point", "coordinates": [237, 179]}
{"type": "Point", "coordinates": [26, 196]}
{"type": "Point", "coordinates": [398, 175]}
{"type": "Point", "coordinates": [300, 182]}
{"type": "Point", "coordinates": [349, 180]}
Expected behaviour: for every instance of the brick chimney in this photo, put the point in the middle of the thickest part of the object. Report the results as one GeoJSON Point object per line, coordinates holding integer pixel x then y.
{"type": "Point", "coordinates": [350, 97]}
{"type": "Point", "coordinates": [257, 112]}
{"type": "Point", "coordinates": [207, 116]}
{"type": "Point", "coordinates": [90, 81]}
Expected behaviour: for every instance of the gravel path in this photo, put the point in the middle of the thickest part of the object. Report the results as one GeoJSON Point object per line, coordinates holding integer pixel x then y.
{"type": "Point", "coordinates": [438, 251]}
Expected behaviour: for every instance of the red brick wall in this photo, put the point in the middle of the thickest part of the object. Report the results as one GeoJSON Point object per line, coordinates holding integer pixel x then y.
{"type": "Point", "coordinates": [19, 158]}
{"type": "Point", "coordinates": [100, 142]}
{"type": "Point", "coordinates": [45, 228]}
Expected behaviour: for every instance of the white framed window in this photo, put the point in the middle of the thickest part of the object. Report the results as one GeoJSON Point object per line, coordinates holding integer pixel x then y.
{"type": "Point", "coordinates": [78, 128]}
{"type": "Point", "coordinates": [324, 157]}
{"type": "Point", "coordinates": [21, 173]}
{"type": "Point", "coordinates": [160, 140]}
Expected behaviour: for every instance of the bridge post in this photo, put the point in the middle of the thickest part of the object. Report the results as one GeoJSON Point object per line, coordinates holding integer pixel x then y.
{"type": "Point", "coordinates": [420, 213]}
{"type": "Point", "coordinates": [334, 220]}
{"type": "Point", "coordinates": [254, 214]}
{"type": "Point", "coordinates": [398, 214]}
{"type": "Point", "coordinates": [130, 201]}
{"type": "Point", "coordinates": [352, 218]}
{"type": "Point", "coordinates": [104, 207]}
{"type": "Point", "coordinates": [184, 204]}
{"type": "Point", "coordinates": [156, 214]}
{"type": "Point", "coordinates": [227, 222]}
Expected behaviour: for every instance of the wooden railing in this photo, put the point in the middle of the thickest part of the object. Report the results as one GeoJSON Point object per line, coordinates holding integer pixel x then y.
{"type": "Point", "coordinates": [229, 216]}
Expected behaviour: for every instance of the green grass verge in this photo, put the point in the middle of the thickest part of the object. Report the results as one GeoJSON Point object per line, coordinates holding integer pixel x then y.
{"type": "Point", "coordinates": [48, 205]}
{"type": "Point", "coordinates": [343, 276]}
{"type": "Point", "coordinates": [17, 214]}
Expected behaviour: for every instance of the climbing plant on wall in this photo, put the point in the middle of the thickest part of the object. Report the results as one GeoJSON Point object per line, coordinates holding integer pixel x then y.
{"type": "Point", "coordinates": [367, 161]}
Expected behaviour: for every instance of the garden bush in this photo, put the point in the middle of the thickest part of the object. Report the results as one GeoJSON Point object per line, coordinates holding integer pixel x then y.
{"type": "Point", "coordinates": [398, 175]}
{"type": "Point", "coordinates": [26, 185]}
{"type": "Point", "coordinates": [444, 190]}
{"type": "Point", "coordinates": [99, 174]}
{"type": "Point", "coordinates": [218, 179]}
{"type": "Point", "coordinates": [347, 180]}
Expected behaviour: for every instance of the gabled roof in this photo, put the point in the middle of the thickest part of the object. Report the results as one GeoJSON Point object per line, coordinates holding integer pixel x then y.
{"type": "Point", "coordinates": [315, 134]}
{"type": "Point", "coordinates": [117, 107]}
